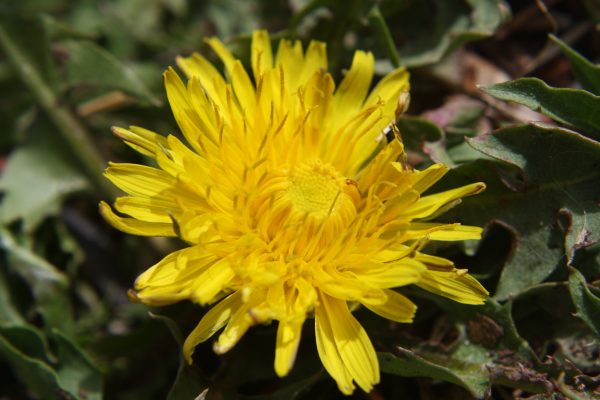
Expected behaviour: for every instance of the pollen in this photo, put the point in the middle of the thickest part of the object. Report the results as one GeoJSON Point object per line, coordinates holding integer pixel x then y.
{"type": "Point", "coordinates": [317, 188]}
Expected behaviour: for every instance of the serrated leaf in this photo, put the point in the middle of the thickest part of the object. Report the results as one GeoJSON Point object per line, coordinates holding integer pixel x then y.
{"type": "Point", "coordinates": [544, 186]}
{"type": "Point", "coordinates": [90, 64]}
{"type": "Point", "coordinates": [466, 366]}
{"type": "Point", "coordinates": [587, 73]}
{"type": "Point", "coordinates": [573, 107]}
{"type": "Point", "coordinates": [586, 304]}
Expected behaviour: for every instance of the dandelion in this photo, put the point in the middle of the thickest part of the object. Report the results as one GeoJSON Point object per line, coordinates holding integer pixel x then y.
{"type": "Point", "coordinates": [292, 205]}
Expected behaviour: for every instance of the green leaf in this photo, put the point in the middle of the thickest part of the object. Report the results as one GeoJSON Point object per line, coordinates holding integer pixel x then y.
{"type": "Point", "coordinates": [40, 85]}
{"type": "Point", "coordinates": [47, 283]}
{"type": "Point", "coordinates": [510, 338]}
{"type": "Point", "coordinates": [28, 339]}
{"type": "Point", "coordinates": [293, 390]}
{"type": "Point", "coordinates": [384, 35]}
{"type": "Point", "coordinates": [586, 304]}
{"type": "Point", "coordinates": [430, 29]}
{"type": "Point", "coordinates": [37, 178]}
{"type": "Point", "coordinates": [34, 45]}
{"type": "Point", "coordinates": [422, 136]}
{"type": "Point", "coordinates": [33, 372]}
{"type": "Point", "coordinates": [572, 107]}
{"type": "Point", "coordinates": [543, 189]}
{"type": "Point", "coordinates": [90, 64]}
{"type": "Point", "coordinates": [465, 366]}
{"type": "Point", "coordinates": [587, 73]}
{"type": "Point", "coordinates": [32, 265]}
{"type": "Point", "coordinates": [9, 314]}
{"type": "Point", "coordinates": [75, 371]}
{"type": "Point", "coordinates": [74, 376]}
{"type": "Point", "coordinates": [188, 383]}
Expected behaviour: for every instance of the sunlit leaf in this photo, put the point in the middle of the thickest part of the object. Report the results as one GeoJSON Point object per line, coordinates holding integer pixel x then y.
{"type": "Point", "coordinates": [573, 107]}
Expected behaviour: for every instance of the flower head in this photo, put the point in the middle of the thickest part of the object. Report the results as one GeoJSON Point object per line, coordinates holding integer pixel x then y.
{"type": "Point", "coordinates": [292, 202]}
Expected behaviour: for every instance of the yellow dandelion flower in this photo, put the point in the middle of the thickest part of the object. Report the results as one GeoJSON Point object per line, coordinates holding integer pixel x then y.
{"type": "Point", "coordinates": [292, 205]}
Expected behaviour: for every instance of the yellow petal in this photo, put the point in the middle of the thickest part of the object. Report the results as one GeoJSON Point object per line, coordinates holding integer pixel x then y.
{"type": "Point", "coordinates": [353, 89]}
{"type": "Point", "coordinates": [237, 326]}
{"type": "Point", "coordinates": [398, 273]}
{"type": "Point", "coordinates": [156, 209]}
{"type": "Point", "coordinates": [456, 285]}
{"type": "Point", "coordinates": [397, 307]}
{"type": "Point", "coordinates": [343, 285]}
{"type": "Point", "coordinates": [262, 54]}
{"type": "Point", "coordinates": [186, 116]}
{"type": "Point", "coordinates": [443, 232]}
{"type": "Point", "coordinates": [433, 262]}
{"type": "Point", "coordinates": [139, 180]}
{"type": "Point", "coordinates": [352, 343]}
{"type": "Point", "coordinates": [290, 61]}
{"type": "Point", "coordinates": [427, 206]}
{"type": "Point", "coordinates": [174, 276]}
{"type": "Point", "coordinates": [286, 347]}
{"type": "Point", "coordinates": [211, 282]}
{"type": "Point", "coordinates": [388, 89]}
{"type": "Point", "coordinates": [307, 296]}
{"type": "Point", "coordinates": [142, 140]}
{"type": "Point", "coordinates": [213, 320]}
{"type": "Point", "coordinates": [134, 226]}
{"type": "Point", "coordinates": [423, 180]}
{"type": "Point", "coordinates": [199, 67]}
{"type": "Point", "coordinates": [204, 117]}
{"type": "Point", "coordinates": [243, 88]}
{"type": "Point", "coordinates": [222, 51]}
{"type": "Point", "coordinates": [162, 273]}
{"type": "Point", "coordinates": [206, 83]}
{"type": "Point", "coordinates": [314, 60]}
{"type": "Point", "coordinates": [328, 352]}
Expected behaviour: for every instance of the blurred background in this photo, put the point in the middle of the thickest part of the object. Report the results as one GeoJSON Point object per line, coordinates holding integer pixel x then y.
{"type": "Point", "coordinates": [69, 70]}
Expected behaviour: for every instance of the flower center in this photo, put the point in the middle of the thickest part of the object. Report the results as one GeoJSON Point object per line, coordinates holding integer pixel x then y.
{"type": "Point", "coordinates": [316, 188]}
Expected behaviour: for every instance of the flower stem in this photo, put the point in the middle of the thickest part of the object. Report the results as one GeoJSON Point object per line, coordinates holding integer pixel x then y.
{"type": "Point", "coordinates": [384, 35]}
